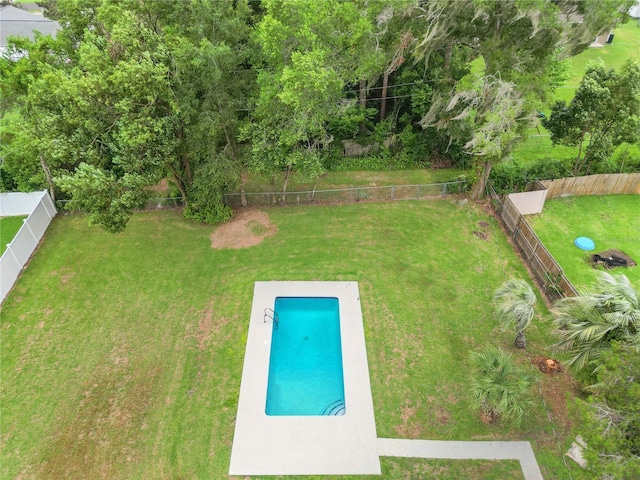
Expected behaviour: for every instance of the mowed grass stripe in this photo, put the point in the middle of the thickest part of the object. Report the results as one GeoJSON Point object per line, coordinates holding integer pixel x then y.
{"type": "Point", "coordinates": [122, 354]}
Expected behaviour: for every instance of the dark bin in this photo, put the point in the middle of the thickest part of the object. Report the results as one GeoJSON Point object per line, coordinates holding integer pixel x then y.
{"type": "Point", "coordinates": [610, 39]}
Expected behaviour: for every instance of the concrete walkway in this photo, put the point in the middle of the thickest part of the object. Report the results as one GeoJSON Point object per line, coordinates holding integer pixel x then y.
{"type": "Point", "coordinates": [389, 447]}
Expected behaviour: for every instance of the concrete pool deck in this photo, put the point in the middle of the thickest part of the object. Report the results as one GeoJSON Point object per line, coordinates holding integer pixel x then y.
{"type": "Point", "coordinates": [327, 445]}
{"type": "Point", "coordinates": [457, 450]}
{"type": "Point", "coordinates": [305, 445]}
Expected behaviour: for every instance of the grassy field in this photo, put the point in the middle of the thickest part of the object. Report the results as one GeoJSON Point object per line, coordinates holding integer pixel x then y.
{"type": "Point", "coordinates": [9, 226]}
{"type": "Point", "coordinates": [625, 45]}
{"type": "Point", "coordinates": [611, 221]}
{"type": "Point", "coordinates": [122, 354]}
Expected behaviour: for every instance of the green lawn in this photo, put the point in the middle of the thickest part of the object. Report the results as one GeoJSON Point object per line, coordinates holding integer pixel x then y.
{"type": "Point", "coordinates": [9, 226]}
{"type": "Point", "coordinates": [612, 221]}
{"type": "Point", "coordinates": [625, 45]}
{"type": "Point", "coordinates": [122, 354]}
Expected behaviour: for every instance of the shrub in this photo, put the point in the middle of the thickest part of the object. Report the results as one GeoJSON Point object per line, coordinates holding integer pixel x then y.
{"type": "Point", "coordinates": [500, 388]}
{"type": "Point", "coordinates": [511, 176]}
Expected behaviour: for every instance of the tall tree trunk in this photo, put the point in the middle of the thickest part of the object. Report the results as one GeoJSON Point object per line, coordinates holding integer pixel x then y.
{"type": "Point", "coordinates": [187, 167]}
{"type": "Point", "coordinates": [184, 157]}
{"type": "Point", "coordinates": [578, 163]}
{"type": "Point", "coordinates": [234, 156]}
{"type": "Point", "coordinates": [521, 341]}
{"type": "Point", "coordinates": [180, 183]}
{"type": "Point", "coordinates": [47, 174]}
{"type": "Point", "coordinates": [362, 101]}
{"type": "Point", "coordinates": [383, 101]}
{"type": "Point", "coordinates": [284, 184]}
{"type": "Point", "coordinates": [480, 186]}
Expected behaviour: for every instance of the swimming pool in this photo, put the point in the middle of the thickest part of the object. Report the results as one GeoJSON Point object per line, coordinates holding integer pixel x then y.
{"type": "Point", "coordinates": [305, 444]}
{"type": "Point", "coordinates": [305, 365]}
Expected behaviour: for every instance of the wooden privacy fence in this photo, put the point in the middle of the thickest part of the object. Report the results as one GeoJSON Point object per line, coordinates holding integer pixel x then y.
{"type": "Point", "coordinates": [605, 184]}
{"type": "Point", "coordinates": [545, 268]}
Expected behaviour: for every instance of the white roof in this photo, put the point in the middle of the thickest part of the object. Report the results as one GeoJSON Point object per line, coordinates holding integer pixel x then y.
{"type": "Point", "coordinates": [15, 22]}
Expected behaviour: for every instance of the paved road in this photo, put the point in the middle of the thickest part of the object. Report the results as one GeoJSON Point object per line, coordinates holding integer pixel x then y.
{"type": "Point", "coordinates": [522, 451]}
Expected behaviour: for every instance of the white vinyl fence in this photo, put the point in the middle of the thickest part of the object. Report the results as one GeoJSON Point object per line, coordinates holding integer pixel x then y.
{"type": "Point", "coordinates": [40, 208]}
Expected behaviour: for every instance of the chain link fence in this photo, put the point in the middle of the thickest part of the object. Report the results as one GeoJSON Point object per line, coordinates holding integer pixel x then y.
{"type": "Point", "coordinates": [348, 195]}
{"type": "Point", "coordinates": [317, 197]}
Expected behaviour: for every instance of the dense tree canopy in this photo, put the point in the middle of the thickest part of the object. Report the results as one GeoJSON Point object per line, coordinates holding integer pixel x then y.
{"type": "Point", "coordinates": [610, 417]}
{"type": "Point", "coordinates": [604, 113]}
{"type": "Point", "coordinates": [131, 92]}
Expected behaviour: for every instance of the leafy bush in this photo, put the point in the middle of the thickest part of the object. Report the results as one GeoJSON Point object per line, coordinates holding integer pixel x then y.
{"type": "Point", "coordinates": [499, 387]}
{"type": "Point", "coordinates": [7, 182]}
{"type": "Point", "coordinates": [215, 213]}
{"type": "Point", "coordinates": [205, 202]}
{"type": "Point", "coordinates": [347, 124]}
{"type": "Point", "coordinates": [511, 176]}
{"type": "Point", "coordinates": [384, 160]}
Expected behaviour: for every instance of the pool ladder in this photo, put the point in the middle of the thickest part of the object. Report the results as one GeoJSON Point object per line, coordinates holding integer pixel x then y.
{"type": "Point", "coordinates": [269, 313]}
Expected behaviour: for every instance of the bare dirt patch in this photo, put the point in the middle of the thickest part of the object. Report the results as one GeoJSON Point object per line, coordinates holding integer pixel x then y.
{"type": "Point", "coordinates": [482, 234]}
{"type": "Point", "coordinates": [161, 188]}
{"type": "Point", "coordinates": [556, 389]}
{"type": "Point", "coordinates": [442, 416]}
{"type": "Point", "coordinates": [65, 274]}
{"type": "Point", "coordinates": [410, 428]}
{"type": "Point", "coordinates": [612, 259]}
{"type": "Point", "coordinates": [246, 229]}
{"type": "Point", "coordinates": [209, 327]}
{"type": "Point", "coordinates": [547, 365]}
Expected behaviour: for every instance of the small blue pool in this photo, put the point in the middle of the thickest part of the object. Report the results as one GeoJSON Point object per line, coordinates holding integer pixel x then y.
{"type": "Point", "coordinates": [584, 243]}
{"type": "Point", "coordinates": [305, 364]}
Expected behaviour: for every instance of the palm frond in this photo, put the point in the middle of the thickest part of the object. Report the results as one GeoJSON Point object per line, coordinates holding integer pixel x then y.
{"type": "Point", "coordinates": [514, 301]}
{"type": "Point", "coordinates": [499, 386]}
{"type": "Point", "coordinates": [588, 323]}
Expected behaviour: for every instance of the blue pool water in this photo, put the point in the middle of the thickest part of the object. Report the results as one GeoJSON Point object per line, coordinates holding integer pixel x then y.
{"type": "Point", "coordinates": [305, 365]}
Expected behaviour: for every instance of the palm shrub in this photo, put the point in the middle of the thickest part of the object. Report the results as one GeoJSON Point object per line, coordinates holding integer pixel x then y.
{"type": "Point", "coordinates": [514, 301]}
{"type": "Point", "coordinates": [499, 387]}
{"type": "Point", "coordinates": [587, 324]}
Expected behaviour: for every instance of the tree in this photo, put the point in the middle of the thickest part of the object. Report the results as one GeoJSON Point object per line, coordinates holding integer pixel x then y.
{"type": "Point", "coordinates": [596, 17]}
{"type": "Point", "coordinates": [108, 200]}
{"type": "Point", "coordinates": [144, 90]}
{"type": "Point", "coordinates": [309, 51]}
{"type": "Point", "coordinates": [499, 387]}
{"type": "Point", "coordinates": [604, 113]}
{"type": "Point", "coordinates": [521, 45]}
{"type": "Point", "coordinates": [514, 301]}
{"type": "Point", "coordinates": [587, 324]}
{"type": "Point", "coordinates": [610, 417]}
